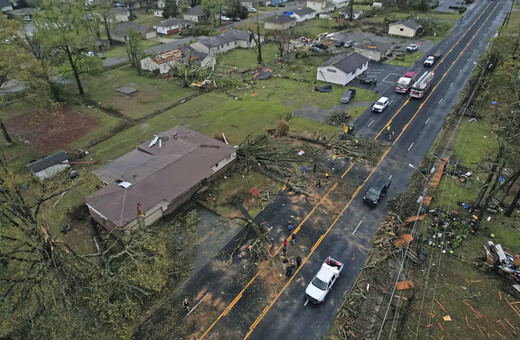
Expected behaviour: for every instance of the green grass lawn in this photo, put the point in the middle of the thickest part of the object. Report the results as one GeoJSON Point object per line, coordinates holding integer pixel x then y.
{"type": "Point", "coordinates": [306, 127]}
{"type": "Point", "coordinates": [120, 50]}
{"type": "Point", "coordinates": [514, 21]}
{"type": "Point", "coordinates": [409, 59]}
{"type": "Point", "coordinates": [313, 27]}
{"type": "Point", "coordinates": [146, 18]}
{"type": "Point", "coordinates": [153, 93]}
{"type": "Point", "coordinates": [474, 142]}
{"type": "Point", "coordinates": [247, 57]}
{"type": "Point", "coordinates": [355, 112]}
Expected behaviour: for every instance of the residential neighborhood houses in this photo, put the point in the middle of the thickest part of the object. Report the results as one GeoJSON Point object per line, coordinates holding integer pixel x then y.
{"type": "Point", "coordinates": [304, 14]}
{"type": "Point", "coordinates": [229, 40]}
{"type": "Point", "coordinates": [159, 176]}
{"type": "Point", "coordinates": [166, 61]}
{"type": "Point", "coordinates": [342, 69]}
{"type": "Point", "coordinates": [279, 22]}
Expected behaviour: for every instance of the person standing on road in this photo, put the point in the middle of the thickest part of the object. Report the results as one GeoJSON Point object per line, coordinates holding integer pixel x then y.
{"type": "Point", "coordinates": [284, 264]}
{"type": "Point", "coordinates": [285, 243]}
{"type": "Point", "coordinates": [298, 262]}
{"type": "Point", "coordinates": [318, 183]}
{"type": "Point", "coordinates": [293, 239]}
{"type": "Point", "coordinates": [326, 175]}
{"type": "Point", "coordinates": [290, 228]}
{"type": "Point", "coordinates": [284, 250]}
{"type": "Point", "coordinates": [186, 305]}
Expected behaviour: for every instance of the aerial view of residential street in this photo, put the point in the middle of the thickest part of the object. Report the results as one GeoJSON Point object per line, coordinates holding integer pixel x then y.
{"type": "Point", "coordinates": [259, 169]}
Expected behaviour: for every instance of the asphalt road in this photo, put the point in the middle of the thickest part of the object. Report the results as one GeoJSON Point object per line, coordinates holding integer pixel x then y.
{"type": "Point", "coordinates": [349, 238]}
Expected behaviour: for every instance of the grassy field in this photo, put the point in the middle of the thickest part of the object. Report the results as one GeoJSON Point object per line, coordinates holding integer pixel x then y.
{"type": "Point", "coordinates": [409, 59]}
{"type": "Point", "coordinates": [514, 20]}
{"type": "Point", "coordinates": [120, 50]}
{"type": "Point", "coordinates": [148, 19]}
{"type": "Point", "coordinates": [153, 93]}
{"type": "Point", "coordinates": [247, 58]}
{"type": "Point", "coordinates": [313, 27]}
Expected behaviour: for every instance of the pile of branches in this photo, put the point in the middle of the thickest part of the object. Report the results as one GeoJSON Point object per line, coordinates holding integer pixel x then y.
{"type": "Point", "coordinates": [353, 147]}
{"type": "Point", "coordinates": [270, 157]}
{"type": "Point", "coordinates": [338, 117]}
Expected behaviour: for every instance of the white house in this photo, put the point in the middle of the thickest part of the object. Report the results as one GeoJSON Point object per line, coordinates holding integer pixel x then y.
{"type": "Point", "coordinates": [340, 3]}
{"type": "Point", "coordinates": [120, 32]}
{"type": "Point", "coordinates": [195, 14]}
{"type": "Point", "coordinates": [304, 14]}
{"type": "Point", "coordinates": [409, 28]}
{"type": "Point", "coordinates": [120, 14]}
{"type": "Point", "coordinates": [345, 12]}
{"type": "Point", "coordinates": [164, 62]}
{"type": "Point", "coordinates": [158, 13]}
{"type": "Point", "coordinates": [342, 69]}
{"type": "Point", "coordinates": [172, 26]}
{"type": "Point", "coordinates": [5, 6]}
{"type": "Point", "coordinates": [50, 165]}
{"type": "Point", "coordinates": [321, 6]}
{"type": "Point", "coordinates": [227, 41]}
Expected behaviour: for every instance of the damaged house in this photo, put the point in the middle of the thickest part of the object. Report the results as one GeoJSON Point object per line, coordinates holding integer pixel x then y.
{"type": "Point", "coordinates": [160, 175]}
{"type": "Point", "coordinates": [166, 61]}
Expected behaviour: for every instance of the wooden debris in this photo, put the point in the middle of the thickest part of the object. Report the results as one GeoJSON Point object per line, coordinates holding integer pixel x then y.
{"type": "Point", "coordinates": [509, 323]}
{"type": "Point", "coordinates": [440, 326]}
{"type": "Point", "coordinates": [500, 334]}
{"type": "Point", "coordinates": [515, 303]}
{"type": "Point", "coordinates": [507, 330]}
{"type": "Point", "coordinates": [442, 307]}
{"type": "Point", "coordinates": [477, 313]}
{"type": "Point", "coordinates": [446, 318]}
{"type": "Point", "coordinates": [401, 285]}
{"type": "Point", "coordinates": [512, 307]}
{"type": "Point", "coordinates": [500, 295]}
{"type": "Point", "coordinates": [403, 241]}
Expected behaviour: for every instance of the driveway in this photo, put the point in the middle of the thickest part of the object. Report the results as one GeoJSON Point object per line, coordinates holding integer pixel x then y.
{"type": "Point", "coordinates": [358, 37]}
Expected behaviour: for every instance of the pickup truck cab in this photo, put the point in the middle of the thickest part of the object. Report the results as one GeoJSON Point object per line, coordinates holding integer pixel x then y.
{"type": "Point", "coordinates": [381, 104]}
{"type": "Point", "coordinates": [322, 283]}
{"type": "Point", "coordinates": [347, 96]}
{"type": "Point", "coordinates": [429, 61]}
{"type": "Point", "coordinates": [412, 48]}
{"type": "Point", "coordinates": [377, 191]}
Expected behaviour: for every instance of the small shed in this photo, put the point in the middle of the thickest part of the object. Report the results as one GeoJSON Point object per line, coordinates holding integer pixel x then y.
{"type": "Point", "coordinates": [49, 166]}
{"type": "Point", "coordinates": [408, 28]}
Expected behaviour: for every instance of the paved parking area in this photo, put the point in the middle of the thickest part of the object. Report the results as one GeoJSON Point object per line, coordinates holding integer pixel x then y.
{"type": "Point", "coordinates": [387, 76]}
{"type": "Point", "coordinates": [358, 37]}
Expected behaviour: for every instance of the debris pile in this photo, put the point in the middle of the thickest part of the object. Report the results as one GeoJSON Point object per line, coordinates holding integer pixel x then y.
{"type": "Point", "coordinates": [448, 230]}
{"type": "Point", "coordinates": [507, 263]}
{"type": "Point", "coordinates": [338, 117]}
{"type": "Point", "coordinates": [263, 73]}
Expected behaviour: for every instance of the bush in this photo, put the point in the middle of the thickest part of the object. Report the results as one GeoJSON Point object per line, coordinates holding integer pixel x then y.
{"type": "Point", "coordinates": [197, 31]}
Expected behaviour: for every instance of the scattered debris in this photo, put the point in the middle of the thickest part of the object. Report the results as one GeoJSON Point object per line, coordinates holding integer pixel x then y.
{"type": "Point", "coordinates": [263, 73]}
{"type": "Point", "coordinates": [401, 285]}
{"type": "Point", "coordinates": [324, 88]}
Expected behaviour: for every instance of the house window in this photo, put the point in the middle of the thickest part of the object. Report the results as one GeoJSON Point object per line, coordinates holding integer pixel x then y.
{"type": "Point", "coordinates": [401, 29]}
{"type": "Point", "coordinates": [331, 70]}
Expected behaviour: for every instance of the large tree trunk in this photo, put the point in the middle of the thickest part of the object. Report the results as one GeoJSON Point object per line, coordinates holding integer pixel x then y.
{"type": "Point", "coordinates": [489, 197]}
{"type": "Point", "coordinates": [8, 139]}
{"type": "Point", "coordinates": [489, 178]}
{"type": "Point", "coordinates": [511, 181]}
{"type": "Point", "coordinates": [258, 37]}
{"type": "Point", "coordinates": [107, 30]}
{"type": "Point", "coordinates": [513, 205]}
{"type": "Point", "coordinates": [75, 71]}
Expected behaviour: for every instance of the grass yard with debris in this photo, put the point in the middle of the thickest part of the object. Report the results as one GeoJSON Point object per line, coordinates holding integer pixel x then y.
{"type": "Point", "coordinates": [118, 50]}
{"type": "Point", "coordinates": [153, 93]}
{"type": "Point", "coordinates": [409, 59]}
{"type": "Point", "coordinates": [247, 57]}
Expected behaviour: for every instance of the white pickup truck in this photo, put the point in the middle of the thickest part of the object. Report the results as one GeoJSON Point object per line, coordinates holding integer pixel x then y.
{"type": "Point", "coordinates": [322, 283]}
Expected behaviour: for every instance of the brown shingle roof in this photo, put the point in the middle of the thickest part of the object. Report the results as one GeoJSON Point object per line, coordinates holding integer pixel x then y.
{"type": "Point", "coordinates": [156, 174]}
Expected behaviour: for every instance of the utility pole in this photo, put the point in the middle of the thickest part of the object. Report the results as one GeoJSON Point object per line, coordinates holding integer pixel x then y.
{"type": "Point", "coordinates": [259, 39]}
{"type": "Point", "coordinates": [351, 10]}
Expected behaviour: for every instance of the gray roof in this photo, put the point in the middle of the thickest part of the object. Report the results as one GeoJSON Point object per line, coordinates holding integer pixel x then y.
{"type": "Point", "coordinates": [48, 161]}
{"type": "Point", "coordinates": [228, 36]}
{"type": "Point", "coordinates": [197, 10]}
{"type": "Point", "coordinates": [280, 19]}
{"type": "Point", "coordinates": [305, 11]}
{"type": "Point", "coordinates": [408, 23]}
{"type": "Point", "coordinates": [156, 174]}
{"type": "Point", "coordinates": [188, 51]}
{"type": "Point", "coordinates": [22, 11]}
{"type": "Point", "coordinates": [167, 47]}
{"type": "Point", "coordinates": [122, 28]}
{"type": "Point", "coordinates": [347, 63]}
{"type": "Point", "coordinates": [173, 22]}
{"type": "Point", "coordinates": [5, 3]}
{"type": "Point", "coordinates": [374, 46]}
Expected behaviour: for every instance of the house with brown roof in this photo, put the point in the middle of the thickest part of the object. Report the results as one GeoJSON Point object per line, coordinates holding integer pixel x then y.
{"type": "Point", "coordinates": [160, 176]}
{"type": "Point", "coordinates": [374, 50]}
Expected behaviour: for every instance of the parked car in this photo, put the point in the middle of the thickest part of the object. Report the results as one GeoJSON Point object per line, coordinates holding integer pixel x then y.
{"type": "Point", "coordinates": [381, 104]}
{"type": "Point", "coordinates": [315, 48]}
{"type": "Point", "coordinates": [349, 43]}
{"type": "Point", "coordinates": [377, 191]}
{"type": "Point", "coordinates": [272, 5]}
{"type": "Point", "coordinates": [368, 79]}
{"type": "Point", "coordinates": [251, 9]}
{"type": "Point", "coordinates": [89, 54]}
{"type": "Point", "coordinates": [339, 44]}
{"type": "Point", "coordinates": [322, 46]}
{"type": "Point", "coordinates": [236, 19]}
{"type": "Point", "coordinates": [281, 5]}
{"type": "Point", "coordinates": [322, 283]}
{"type": "Point", "coordinates": [225, 18]}
{"type": "Point", "coordinates": [101, 55]}
{"type": "Point", "coordinates": [412, 48]}
{"type": "Point", "coordinates": [117, 4]}
{"type": "Point", "coordinates": [347, 96]}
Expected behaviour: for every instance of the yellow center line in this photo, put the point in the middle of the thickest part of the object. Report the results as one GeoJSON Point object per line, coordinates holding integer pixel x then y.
{"type": "Point", "coordinates": [264, 312]}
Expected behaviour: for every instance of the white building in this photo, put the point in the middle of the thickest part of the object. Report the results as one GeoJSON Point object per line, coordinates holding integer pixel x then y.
{"type": "Point", "coordinates": [50, 165]}
{"type": "Point", "coordinates": [409, 28]}
{"type": "Point", "coordinates": [172, 26]}
{"type": "Point", "coordinates": [342, 69]}
{"type": "Point", "coordinates": [304, 14]}
{"type": "Point", "coordinates": [321, 6]}
{"type": "Point", "coordinates": [227, 41]}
